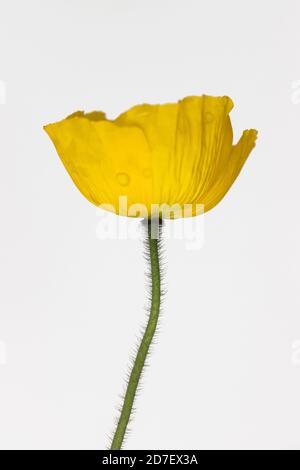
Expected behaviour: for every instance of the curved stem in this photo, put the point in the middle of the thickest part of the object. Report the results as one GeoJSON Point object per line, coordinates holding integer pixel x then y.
{"type": "Point", "coordinates": [153, 250]}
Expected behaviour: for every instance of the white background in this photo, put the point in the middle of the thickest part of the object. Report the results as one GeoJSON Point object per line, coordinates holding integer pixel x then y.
{"type": "Point", "coordinates": [225, 372]}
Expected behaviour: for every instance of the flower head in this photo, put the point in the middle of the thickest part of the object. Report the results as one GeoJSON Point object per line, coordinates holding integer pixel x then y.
{"type": "Point", "coordinates": [163, 156]}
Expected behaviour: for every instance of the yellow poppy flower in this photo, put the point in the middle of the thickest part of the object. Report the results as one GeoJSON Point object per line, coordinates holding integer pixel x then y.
{"type": "Point", "coordinates": [160, 158]}
{"type": "Point", "coordinates": [171, 154]}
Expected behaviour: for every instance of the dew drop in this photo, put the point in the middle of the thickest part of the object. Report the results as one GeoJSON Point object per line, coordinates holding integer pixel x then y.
{"type": "Point", "coordinates": [123, 179]}
{"type": "Point", "coordinates": [208, 117]}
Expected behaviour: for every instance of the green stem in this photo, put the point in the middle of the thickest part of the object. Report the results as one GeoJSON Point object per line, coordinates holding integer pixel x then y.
{"type": "Point", "coordinates": [153, 249]}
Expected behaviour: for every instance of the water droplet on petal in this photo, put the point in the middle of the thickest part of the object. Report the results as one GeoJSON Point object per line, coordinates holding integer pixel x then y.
{"type": "Point", "coordinates": [208, 117]}
{"type": "Point", "coordinates": [123, 179]}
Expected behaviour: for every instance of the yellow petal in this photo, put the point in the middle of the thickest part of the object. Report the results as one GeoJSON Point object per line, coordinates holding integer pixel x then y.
{"type": "Point", "coordinates": [230, 172]}
{"type": "Point", "coordinates": [104, 160]}
{"type": "Point", "coordinates": [189, 141]}
{"type": "Point", "coordinates": [172, 154]}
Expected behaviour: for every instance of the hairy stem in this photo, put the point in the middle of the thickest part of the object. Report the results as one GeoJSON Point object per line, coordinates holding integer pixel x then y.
{"type": "Point", "coordinates": [153, 250]}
